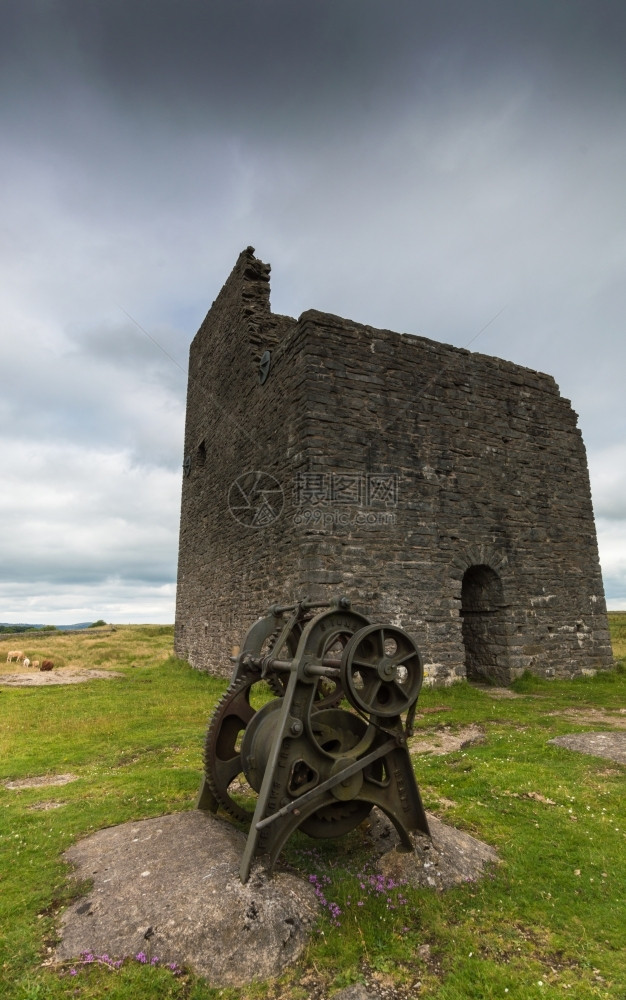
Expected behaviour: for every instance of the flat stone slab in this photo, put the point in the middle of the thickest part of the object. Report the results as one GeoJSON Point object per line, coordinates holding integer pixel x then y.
{"type": "Point", "coordinates": [169, 887]}
{"type": "Point", "coordinates": [609, 745]}
{"type": "Point", "coordinates": [616, 718]}
{"type": "Point", "coordinates": [356, 992]}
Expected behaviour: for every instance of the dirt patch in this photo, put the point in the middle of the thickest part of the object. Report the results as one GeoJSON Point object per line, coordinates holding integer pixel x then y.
{"type": "Point", "coordinates": [42, 782]}
{"type": "Point", "coordinates": [445, 740]}
{"type": "Point", "coordinates": [612, 746]}
{"type": "Point", "coordinates": [498, 692]}
{"type": "Point", "coordinates": [45, 806]}
{"type": "Point", "coordinates": [593, 716]}
{"type": "Point", "coordinates": [443, 803]}
{"type": "Point", "coordinates": [60, 675]}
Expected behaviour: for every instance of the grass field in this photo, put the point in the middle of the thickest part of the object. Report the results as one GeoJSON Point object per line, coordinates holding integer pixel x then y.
{"type": "Point", "coordinates": [548, 922]}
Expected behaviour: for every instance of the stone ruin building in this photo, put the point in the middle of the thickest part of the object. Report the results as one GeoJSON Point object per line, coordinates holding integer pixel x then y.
{"type": "Point", "coordinates": [441, 490]}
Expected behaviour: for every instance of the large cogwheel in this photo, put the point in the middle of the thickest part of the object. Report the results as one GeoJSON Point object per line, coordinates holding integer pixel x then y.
{"type": "Point", "coordinates": [222, 756]}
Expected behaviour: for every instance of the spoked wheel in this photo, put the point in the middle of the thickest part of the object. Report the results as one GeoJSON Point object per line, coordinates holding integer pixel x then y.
{"type": "Point", "coordinates": [381, 671]}
{"type": "Point", "coordinates": [327, 637]}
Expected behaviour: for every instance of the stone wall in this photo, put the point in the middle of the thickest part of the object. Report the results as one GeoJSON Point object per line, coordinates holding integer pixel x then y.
{"type": "Point", "coordinates": [441, 490]}
{"type": "Point", "coordinates": [229, 569]}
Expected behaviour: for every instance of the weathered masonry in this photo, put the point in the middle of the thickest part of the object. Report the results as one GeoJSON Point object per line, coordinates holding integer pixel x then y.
{"type": "Point", "coordinates": [441, 490]}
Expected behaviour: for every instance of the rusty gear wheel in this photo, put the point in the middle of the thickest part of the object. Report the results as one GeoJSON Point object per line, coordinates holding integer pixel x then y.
{"type": "Point", "coordinates": [328, 693]}
{"type": "Point", "coordinates": [382, 671]}
{"type": "Point", "coordinates": [222, 757]}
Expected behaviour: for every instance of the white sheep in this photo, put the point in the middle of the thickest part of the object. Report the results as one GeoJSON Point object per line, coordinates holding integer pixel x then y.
{"type": "Point", "coordinates": [26, 662]}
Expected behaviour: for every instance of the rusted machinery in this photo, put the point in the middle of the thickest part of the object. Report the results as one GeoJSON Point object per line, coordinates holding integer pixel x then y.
{"type": "Point", "coordinates": [315, 764]}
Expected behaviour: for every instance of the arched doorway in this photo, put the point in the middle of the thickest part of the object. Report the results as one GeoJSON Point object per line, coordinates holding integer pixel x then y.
{"type": "Point", "coordinates": [484, 626]}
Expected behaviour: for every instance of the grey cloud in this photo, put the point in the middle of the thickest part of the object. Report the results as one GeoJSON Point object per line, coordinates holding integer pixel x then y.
{"type": "Point", "coordinates": [98, 403]}
{"type": "Point", "coordinates": [156, 356]}
{"type": "Point", "coordinates": [75, 514]}
{"type": "Point", "coordinates": [607, 467]}
{"type": "Point", "coordinates": [114, 599]}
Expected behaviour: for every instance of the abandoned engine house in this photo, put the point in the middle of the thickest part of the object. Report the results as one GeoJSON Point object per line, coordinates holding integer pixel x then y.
{"type": "Point", "coordinates": [440, 490]}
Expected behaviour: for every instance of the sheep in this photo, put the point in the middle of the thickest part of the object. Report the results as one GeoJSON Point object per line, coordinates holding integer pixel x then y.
{"type": "Point", "coordinates": [46, 665]}
{"type": "Point", "coordinates": [15, 654]}
{"type": "Point", "coordinates": [26, 662]}
{"type": "Point", "coordinates": [35, 664]}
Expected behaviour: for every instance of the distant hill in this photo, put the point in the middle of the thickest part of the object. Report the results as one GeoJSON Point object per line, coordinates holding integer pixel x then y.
{"type": "Point", "coordinates": [14, 627]}
{"type": "Point", "coordinates": [72, 628]}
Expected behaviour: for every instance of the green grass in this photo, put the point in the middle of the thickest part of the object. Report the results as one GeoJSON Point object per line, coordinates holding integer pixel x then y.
{"type": "Point", "coordinates": [552, 912]}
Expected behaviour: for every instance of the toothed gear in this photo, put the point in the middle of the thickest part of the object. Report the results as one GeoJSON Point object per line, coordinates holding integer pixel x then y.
{"type": "Point", "coordinates": [222, 759]}
{"type": "Point", "coordinates": [301, 761]}
{"type": "Point", "coordinates": [233, 712]}
{"type": "Point", "coordinates": [278, 682]}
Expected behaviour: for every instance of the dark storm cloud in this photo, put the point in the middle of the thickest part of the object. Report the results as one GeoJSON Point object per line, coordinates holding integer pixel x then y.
{"type": "Point", "coordinates": [271, 65]}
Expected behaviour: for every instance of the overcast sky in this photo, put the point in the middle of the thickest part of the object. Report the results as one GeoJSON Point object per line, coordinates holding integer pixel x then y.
{"type": "Point", "coordinates": [439, 168]}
